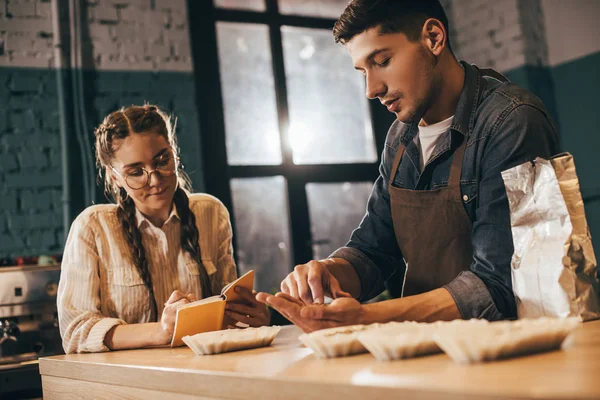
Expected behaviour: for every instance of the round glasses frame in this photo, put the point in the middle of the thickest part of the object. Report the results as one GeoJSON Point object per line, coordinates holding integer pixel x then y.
{"type": "Point", "coordinates": [161, 171]}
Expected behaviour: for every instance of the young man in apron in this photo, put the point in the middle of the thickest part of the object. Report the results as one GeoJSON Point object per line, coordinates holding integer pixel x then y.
{"type": "Point", "coordinates": [437, 228]}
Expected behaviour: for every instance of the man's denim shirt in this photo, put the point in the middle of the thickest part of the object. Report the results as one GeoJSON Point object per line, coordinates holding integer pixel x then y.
{"type": "Point", "coordinates": [504, 126]}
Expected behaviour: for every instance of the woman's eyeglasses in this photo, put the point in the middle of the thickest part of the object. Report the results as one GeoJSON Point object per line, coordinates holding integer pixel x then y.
{"type": "Point", "coordinates": [140, 177]}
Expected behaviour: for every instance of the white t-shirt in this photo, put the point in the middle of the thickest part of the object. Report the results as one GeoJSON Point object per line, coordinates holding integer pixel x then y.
{"type": "Point", "coordinates": [428, 137]}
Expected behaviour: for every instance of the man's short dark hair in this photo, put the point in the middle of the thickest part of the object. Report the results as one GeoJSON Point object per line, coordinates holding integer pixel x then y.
{"type": "Point", "coordinates": [392, 16]}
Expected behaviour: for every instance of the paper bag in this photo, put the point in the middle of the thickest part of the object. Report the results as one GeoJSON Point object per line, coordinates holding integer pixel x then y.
{"type": "Point", "coordinates": [553, 265]}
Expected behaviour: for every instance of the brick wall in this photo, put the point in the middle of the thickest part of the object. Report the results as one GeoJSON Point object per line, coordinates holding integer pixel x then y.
{"type": "Point", "coordinates": [30, 175]}
{"type": "Point", "coordinates": [501, 34]}
{"type": "Point", "coordinates": [132, 51]}
{"type": "Point", "coordinates": [26, 29]}
{"type": "Point", "coordinates": [508, 36]}
{"type": "Point", "coordinates": [140, 35]}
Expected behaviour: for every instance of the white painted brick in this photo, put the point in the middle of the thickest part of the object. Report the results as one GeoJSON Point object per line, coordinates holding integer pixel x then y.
{"type": "Point", "coordinates": [184, 65]}
{"type": "Point", "coordinates": [44, 10]}
{"type": "Point", "coordinates": [140, 63]}
{"type": "Point", "coordinates": [515, 47]}
{"type": "Point", "coordinates": [130, 13]}
{"type": "Point", "coordinates": [142, 4]}
{"type": "Point", "coordinates": [508, 34]}
{"type": "Point", "coordinates": [44, 25]}
{"type": "Point", "coordinates": [177, 35]}
{"type": "Point", "coordinates": [105, 12]}
{"type": "Point", "coordinates": [21, 9]}
{"type": "Point", "coordinates": [25, 25]}
{"type": "Point", "coordinates": [31, 61]}
{"type": "Point", "coordinates": [483, 4]}
{"type": "Point", "coordinates": [125, 64]}
{"type": "Point", "coordinates": [119, 3]}
{"type": "Point", "coordinates": [510, 63]}
{"type": "Point", "coordinates": [5, 60]}
{"type": "Point", "coordinates": [178, 18]}
{"type": "Point", "coordinates": [112, 62]}
{"type": "Point", "coordinates": [171, 5]}
{"type": "Point", "coordinates": [156, 50]}
{"type": "Point", "coordinates": [133, 48]}
{"type": "Point", "coordinates": [150, 34]}
{"type": "Point", "coordinates": [156, 19]}
{"type": "Point", "coordinates": [42, 44]}
{"type": "Point", "coordinates": [511, 19]}
{"type": "Point", "coordinates": [106, 47]}
{"type": "Point", "coordinates": [480, 14]}
{"type": "Point", "coordinates": [499, 54]}
{"type": "Point", "coordinates": [480, 44]}
{"type": "Point", "coordinates": [123, 31]}
{"type": "Point", "coordinates": [182, 49]}
{"type": "Point", "coordinates": [148, 39]}
{"type": "Point", "coordinates": [504, 6]}
{"type": "Point", "coordinates": [494, 24]}
{"type": "Point", "coordinates": [19, 41]}
{"type": "Point", "coordinates": [99, 32]}
{"type": "Point", "coordinates": [480, 58]}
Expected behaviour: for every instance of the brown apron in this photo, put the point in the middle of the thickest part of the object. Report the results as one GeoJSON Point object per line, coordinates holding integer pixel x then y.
{"type": "Point", "coordinates": [432, 227]}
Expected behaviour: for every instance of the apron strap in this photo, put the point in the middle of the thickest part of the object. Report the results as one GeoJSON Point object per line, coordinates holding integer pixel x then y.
{"type": "Point", "coordinates": [396, 163]}
{"type": "Point", "coordinates": [456, 167]}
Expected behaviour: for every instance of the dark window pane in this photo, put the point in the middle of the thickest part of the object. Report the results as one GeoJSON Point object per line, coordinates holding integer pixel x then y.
{"type": "Point", "coordinates": [262, 229]}
{"type": "Point", "coordinates": [329, 117]}
{"type": "Point", "coordinates": [335, 209]}
{"type": "Point", "coordinates": [252, 130]}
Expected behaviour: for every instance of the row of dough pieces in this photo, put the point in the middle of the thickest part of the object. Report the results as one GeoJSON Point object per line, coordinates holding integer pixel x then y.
{"type": "Point", "coordinates": [463, 341]}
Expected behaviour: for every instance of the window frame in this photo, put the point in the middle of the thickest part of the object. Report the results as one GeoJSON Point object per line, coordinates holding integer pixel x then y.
{"type": "Point", "coordinates": [203, 17]}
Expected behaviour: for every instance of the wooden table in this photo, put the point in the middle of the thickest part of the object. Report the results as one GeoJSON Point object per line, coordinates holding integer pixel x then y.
{"type": "Point", "coordinates": [287, 370]}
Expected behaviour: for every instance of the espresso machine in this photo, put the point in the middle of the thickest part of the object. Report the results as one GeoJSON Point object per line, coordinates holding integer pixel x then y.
{"type": "Point", "coordinates": [28, 326]}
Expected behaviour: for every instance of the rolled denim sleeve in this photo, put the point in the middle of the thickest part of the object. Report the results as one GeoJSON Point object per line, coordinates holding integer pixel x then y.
{"type": "Point", "coordinates": [371, 281]}
{"type": "Point", "coordinates": [372, 249]}
{"type": "Point", "coordinates": [523, 134]}
{"type": "Point", "coordinates": [472, 297]}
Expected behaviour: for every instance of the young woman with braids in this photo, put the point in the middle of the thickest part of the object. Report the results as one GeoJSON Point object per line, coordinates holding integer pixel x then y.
{"type": "Point", "coordinates": [127, 267]}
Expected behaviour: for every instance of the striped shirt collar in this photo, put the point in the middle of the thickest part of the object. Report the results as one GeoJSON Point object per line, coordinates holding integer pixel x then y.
{"type": "Point", "coordinates": [140, 218]}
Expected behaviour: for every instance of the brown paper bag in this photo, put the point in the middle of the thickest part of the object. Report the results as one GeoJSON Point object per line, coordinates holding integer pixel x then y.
{"type": "Point", "coordinates": [553, 265]}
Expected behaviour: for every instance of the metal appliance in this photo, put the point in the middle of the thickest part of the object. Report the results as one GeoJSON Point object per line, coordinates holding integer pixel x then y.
{"type": "Point", "coordinates": [28, 327]}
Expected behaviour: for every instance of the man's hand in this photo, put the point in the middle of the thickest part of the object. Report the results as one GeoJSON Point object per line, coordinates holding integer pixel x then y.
{"type": "Point", "coordinates": [311, 282]}
{"type": "Point", "coordinates": [341, 312]}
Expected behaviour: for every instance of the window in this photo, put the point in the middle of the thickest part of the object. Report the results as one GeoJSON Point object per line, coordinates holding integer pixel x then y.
{"type": "Point", "coordinates": [290, 143]}
{"type": "Point", "coordinates": [328, 112]}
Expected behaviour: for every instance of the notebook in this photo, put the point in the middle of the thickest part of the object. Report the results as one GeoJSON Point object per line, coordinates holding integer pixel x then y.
{"type": "Point", "coordinates": [207, 315]}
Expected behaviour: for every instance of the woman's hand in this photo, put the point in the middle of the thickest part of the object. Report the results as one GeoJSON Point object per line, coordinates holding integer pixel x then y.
{"type": "Point", "coordinates": [167, 320]}
{"type": "Point", "coordinates": [249, 311]}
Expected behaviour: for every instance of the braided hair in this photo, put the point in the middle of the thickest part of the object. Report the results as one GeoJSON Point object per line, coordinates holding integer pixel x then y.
{"type": "Point", "coordinates": [119, 125]}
